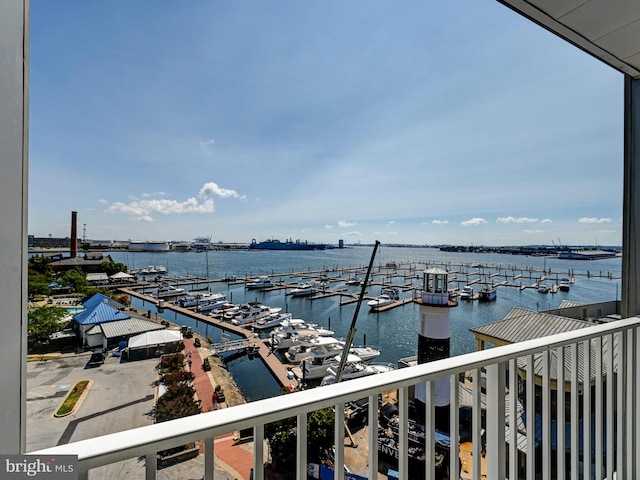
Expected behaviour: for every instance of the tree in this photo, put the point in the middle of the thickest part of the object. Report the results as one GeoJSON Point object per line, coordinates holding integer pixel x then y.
{"type": "Point", "coordinates": [43, 321]}
{"type": "Point", "coordinates": [110, 267]}
{"type": "Point", "coordinates": [41, 264]}
{"type": "Point", "coordinates": [75, 277]}
{"type": "Point", "coordinates": [282, 437]}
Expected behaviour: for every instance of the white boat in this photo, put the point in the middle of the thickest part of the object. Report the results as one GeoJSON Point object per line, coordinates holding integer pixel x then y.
{"type": "Point", "coordinates": [169, 291]}
{"type": "Point", "coordinates": [317, 368]}
{"type": "Point", "coordinates": [543, 288]}
{"type": "Point", "coordinates": [260, 282]}
{"type": "Point", "coordinates": [296, 331]}
{"type": "Point", "coordinates": [487, 294]}
{"type": "Point", "coordinates": [387, 296]}
{"type": "Point", "coordinates": [272, 321]}
{"type": "Point", "coordinates": [466, 293]}
{"type": "Point", "coordinates": [323, 347]}
{"type": "Point", "coordinates": [303, 290]}
{"type": "Point", "coordinates": [564, 285]}
{"type": "Point", "coordinates": [194, 299]}
{"type": "Point", "coordinates": [251, 312]}
{"type": "Point", "coordinates": [353, 281]}
{"type": "Point", "coordinates": [355, 370]}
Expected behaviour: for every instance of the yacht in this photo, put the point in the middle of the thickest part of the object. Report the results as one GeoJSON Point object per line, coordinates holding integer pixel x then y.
{"type": "Point", "coordinates": [387, 296]}
{"type": "Point", "coordinates": [251, 312]}
{"type": "Point", "coordinates": [260, 282]}
{"type": "Point", "coordinates": [316, 365]}
{"type": "Point", "coordinates": [565, 284]}
{"type": "Point", "coordinates": [169, 291]}
{"type": "Point", "coordinates": [487, 294]}
{"type": "Point", "coordinates": [303, 290]}
{"type": "Point", "coordinates": [272, 321]}
{"type": "Point", "coordinates": [466, 293]}
{"type": "Point", "coordinates": [543, 288]}
{"type": "Point", "coordinates": [323, 347]}
{"type": "Point", "coordinates": [355, 370]}
{"type": "Point", "coordinates": [296, 332]}
{"type": "Point", "coordinates": [194, 299]}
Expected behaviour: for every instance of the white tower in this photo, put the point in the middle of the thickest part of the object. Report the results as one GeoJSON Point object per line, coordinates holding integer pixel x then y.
{"type": "Point", "coordinates": [435, 332]}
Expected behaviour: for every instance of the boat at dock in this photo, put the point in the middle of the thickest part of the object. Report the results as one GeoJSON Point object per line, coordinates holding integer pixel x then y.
{"type": "Point", "coordinates": [199, 299]}
{"type": "Point", "coordinates": [466, 293]}
{"type": "Point", "coordinates": [487, 294]}
{"type": "Point", "coordinates": [304, 290]}
{"type": "Point", "coordinates": [356, 369]}
{"type": "Point", "coordinates": [387, 297]}
{"type": "Point", "coordinates": [565, 284]}
{"type": "Point", "coordinates": [260, 282]}
{"type": "Point", "coordinates": [168, 291]}
{"type": "Point", "coordinates": [252, 312]}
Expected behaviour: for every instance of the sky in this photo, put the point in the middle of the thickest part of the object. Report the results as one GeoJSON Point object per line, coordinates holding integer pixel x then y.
{"type": "Point", "coordinates": [417, 122]}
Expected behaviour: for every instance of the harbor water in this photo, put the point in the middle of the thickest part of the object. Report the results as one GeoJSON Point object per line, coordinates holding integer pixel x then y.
{"type": "Point", "coordinates": [394, 331]}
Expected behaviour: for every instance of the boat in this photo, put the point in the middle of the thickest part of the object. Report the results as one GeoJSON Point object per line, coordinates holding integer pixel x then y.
{"type": "Point", "coordinates": [169, 291]}
{"type": "Point", "coordinates": [195, 299]}
{"type": "Point", "coordinates": [466, 293]}
{"type": "Point", "coordinates": [274, 244]}
{"type": "Point", "coordinates": [586, 254]}
{"type": "Point", "coordinates": [296, 331]}
{"type": "Point", "coordinates": [251, 312]}
{"type": "Point", "coordinates": [356, 370]}
{"type": "Point", "coordinates": [543, 288]}
{"type": "Point", "coordinates": [272, 321]}
{"type": "Point", "coordinates": [304, 290]}
{"type": "Point", "coordinates": [387, 297]}
{"type": "Point", "coordinates": [355, 281]}
{"type": "Point", "coordinates": [323, 347]}
{"type": "Point", "coordinates": [316, 365]}
{"type": "Point", "coordinates": [260, 282]}
{"type": "Point", "coordinates": [487, 294]}
{"type": "Point", "coordinates": [564, 285]}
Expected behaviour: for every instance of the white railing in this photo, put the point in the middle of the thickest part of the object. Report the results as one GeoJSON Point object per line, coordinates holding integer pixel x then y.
{"type": "Point", "coordinates": [603, 355]}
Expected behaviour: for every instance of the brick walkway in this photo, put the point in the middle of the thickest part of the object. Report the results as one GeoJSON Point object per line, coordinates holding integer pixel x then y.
{"type": "Point", "coordinates": [235, 456]}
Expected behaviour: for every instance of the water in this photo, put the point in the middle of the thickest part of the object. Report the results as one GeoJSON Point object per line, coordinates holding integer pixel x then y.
{"type": "Point", "coordinates": [394, 331]}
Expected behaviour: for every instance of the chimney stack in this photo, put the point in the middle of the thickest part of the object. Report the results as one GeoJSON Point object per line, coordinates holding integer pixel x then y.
{"type": "Point", "coordinates": [74, 234]}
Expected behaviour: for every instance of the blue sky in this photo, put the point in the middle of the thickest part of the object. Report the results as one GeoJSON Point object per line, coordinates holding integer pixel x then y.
{"type": "Point", "coordinates": [405, 122]}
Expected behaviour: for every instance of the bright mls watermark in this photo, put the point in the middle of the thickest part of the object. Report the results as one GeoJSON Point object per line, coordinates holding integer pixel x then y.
{"type": "Point", "coordinates": [18, 467]}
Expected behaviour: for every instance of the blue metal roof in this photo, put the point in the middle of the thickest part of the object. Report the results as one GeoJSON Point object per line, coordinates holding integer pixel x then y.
{"type": "Point", "coordinates": [94, 300]}
{"type": "Point", "coordinates": [100, 313]}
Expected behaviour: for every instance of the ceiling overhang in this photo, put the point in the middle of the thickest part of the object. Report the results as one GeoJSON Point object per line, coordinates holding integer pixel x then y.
{"type": "Point", "coordinates": [607, 29]}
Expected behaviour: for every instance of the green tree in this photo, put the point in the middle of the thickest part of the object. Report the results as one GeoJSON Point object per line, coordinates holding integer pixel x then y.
{"type": "Point", "coordinates": [38, 283]}
{"type": "Point", "coordinates": [43, 321]}
{"type": "Point", "coordinates": [282, 437]}
{"type": "Point", "coordinates": [110, 267]}
{"type": "Point", "coordinates": [75, 277]}
{"type": "Point", "coordinates": [41, 264]}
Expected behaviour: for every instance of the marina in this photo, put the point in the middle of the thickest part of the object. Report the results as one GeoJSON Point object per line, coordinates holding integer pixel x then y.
{"type": "Point", "coordinates": [393, 327]}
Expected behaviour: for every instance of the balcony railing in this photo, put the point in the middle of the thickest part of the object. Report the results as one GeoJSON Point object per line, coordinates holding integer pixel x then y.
{"type": "Point", "coordinates": [603, 417]}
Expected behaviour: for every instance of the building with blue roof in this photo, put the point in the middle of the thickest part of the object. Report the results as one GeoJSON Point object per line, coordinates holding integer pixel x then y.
{"type": "Point", "coordinates": [99, 309]}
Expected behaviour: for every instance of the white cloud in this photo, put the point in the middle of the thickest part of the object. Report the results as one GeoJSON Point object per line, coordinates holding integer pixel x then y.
{"type": "Point", "coordinates": [344, 224]}
{"type": "Point", "coordinates": [546, 220]}
{"type": "Point", "coordinates": [143, 209]}
{"type": "Point", "coordinates": [328, 227]}
{"type": "Point", "coordinates": [474, 221]}
{"type": "Point", "coordinates": [516, 220]}
{"type": "Point", "coordinates": [353, 234]}
{"type": "Point", "coordinates": [212, 189]}
{"type": "Point", "coordinates": [594, 220]}
{"type": "Point", "coordinates": [533, 231]}
{"type": "Point", "coordinates": [440, 222]}
{"type": "Point", "coordinates": [153, 194]}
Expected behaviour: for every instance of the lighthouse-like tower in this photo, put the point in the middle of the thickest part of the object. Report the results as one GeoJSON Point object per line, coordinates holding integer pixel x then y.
{"type": "Point", "coordinates": [435, 336]}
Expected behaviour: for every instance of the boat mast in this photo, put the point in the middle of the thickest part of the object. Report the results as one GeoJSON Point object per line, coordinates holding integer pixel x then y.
{"type": "Point", "coordinates": [352, 329]}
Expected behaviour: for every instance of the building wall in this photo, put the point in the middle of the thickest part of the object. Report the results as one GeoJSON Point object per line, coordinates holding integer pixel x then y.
{"type": "Point", "coordinates": [14, 108]}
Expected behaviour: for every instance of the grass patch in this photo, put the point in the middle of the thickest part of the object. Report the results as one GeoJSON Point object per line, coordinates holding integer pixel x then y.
{"type": "Point", "coordinates": [72, 398]}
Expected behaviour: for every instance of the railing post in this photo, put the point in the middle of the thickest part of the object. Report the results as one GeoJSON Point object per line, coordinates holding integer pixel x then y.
{"type": "Point", "coordinates": [513, 419]}
{"type": "Point", "coordinates": [258, 452]}
{"type": "Point", "coordinates": [301, 443]}
{"type": "Point", "coordinates": [531, 419]}
{"type": "Point", "coordinates": [476, 418]}
{"type": "Point", "coordinates": [429, 434]}
{"type": "Point", "coordinates": [496, 445]}
{"type": "Point", "coordinates": [454, 429]}
{"type": "Point", "coordinates": [338, 474]}
{"type": "Point", "coordinates": [373, 436]}
{"type": "Point", "coordinates": [209, 456]}
{"type": "Point", "coordinates": [150, 465]}
{"type": "Point", "coordinates": [403, 432]}
{"type": "Point", "coordinates": [560, 416]}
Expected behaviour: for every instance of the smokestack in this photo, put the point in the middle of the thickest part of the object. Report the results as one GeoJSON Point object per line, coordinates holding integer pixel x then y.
{"type": "Point", "coordinates": [74, 234]}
